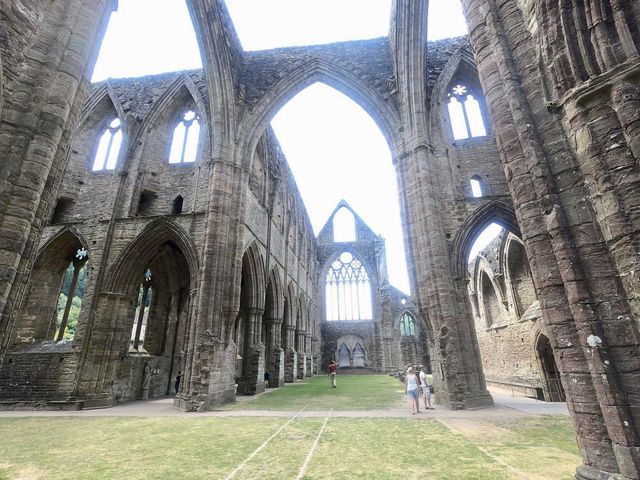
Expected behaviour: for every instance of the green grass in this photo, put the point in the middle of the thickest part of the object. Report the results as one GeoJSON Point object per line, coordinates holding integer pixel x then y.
{"type": "Point", "coordinates": [353, 392]}
{"type": "Point", "coordinates": [211, 448]}
{"type": "Point", "coordinates": [544, 446]}
{"type": "Point", "coordinates": [197, 447]}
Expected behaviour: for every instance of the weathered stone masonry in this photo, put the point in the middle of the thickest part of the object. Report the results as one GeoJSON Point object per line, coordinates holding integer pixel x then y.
{"type": "Point", "coordinates": [238, 266]}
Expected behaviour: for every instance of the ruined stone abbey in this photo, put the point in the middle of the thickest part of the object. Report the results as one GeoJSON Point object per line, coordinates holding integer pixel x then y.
{"type": "Point", "coordinates": [127, 256]}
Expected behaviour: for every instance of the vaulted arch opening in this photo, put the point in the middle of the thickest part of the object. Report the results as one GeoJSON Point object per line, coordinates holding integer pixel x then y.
{"type": "Point", "coordinates": [52, 308]}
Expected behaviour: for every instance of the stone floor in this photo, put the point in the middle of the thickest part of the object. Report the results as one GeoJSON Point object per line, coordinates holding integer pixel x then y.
{"type": "Point", "coordinates": [505, 406]}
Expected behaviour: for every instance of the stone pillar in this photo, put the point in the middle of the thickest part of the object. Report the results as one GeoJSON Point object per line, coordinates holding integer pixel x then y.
{"type": "Point", "coordinates": [275, 360]}
{"type": "Point", "coordinates": [252, 380]}
{"type": "Point", "coordinates": [302, 356]}
{"type": "Point", "coordinates": [291, 357]}
{"type": "Point", "coordinates": [309, 354]}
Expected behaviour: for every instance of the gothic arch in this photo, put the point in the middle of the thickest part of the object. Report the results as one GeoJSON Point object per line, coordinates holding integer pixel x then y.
{"type": "Point", "coordinates": [461, 65]}
{"type": "Point", "coordinates": [103, 94]}
{"type": "Point", "coordinates": [274, 295]}
{"type": "Point", "coordinates": [183, 85]}
{"type": "Point", "coordinates": [36, 322]}
{"type": "Point", "coordinates": [484, 269]}
{"type": "Point", "coordinates": [137, 254]}
{"type": "Point", "coordinates": [496, 211]}
{"type": "Point", "coordinates": [253, 277]}
{"type": "Point", "coordinates": [257, 118]}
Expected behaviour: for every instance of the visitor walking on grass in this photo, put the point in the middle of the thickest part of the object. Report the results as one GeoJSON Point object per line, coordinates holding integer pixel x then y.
{"type": "Point", "coordinates": [426, 389]}
{"type": "Point", "coordinates": [412, 391]}
{"type": "Point", "coordinates": [332, 368]}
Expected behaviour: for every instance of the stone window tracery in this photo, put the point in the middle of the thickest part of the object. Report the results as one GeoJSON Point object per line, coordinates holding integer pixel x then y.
{"type": "Point", "coordinates": [186, 136]}
{"type": "Point", "coordinates": [348, 290]}
{"type": "Point", "coordinates": [70, 297]}
{"type": "Point", "coordinates": [106, 157]}
{"type": "Point", "coordinates": [143, 306]}
{"type": "Point", "coordinates": [465, 114]}
{"type": "Point", "coordinates": [407, 326]}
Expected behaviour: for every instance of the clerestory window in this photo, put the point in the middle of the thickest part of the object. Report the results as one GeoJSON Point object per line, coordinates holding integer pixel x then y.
{"type": "Point", "coordinates": [348, 290]}
{"type": "Point", "coordinates": [407, 326]}
{"type": "Point", "coordinates": [186, 136]}
{"type": "Point", "coordinates": [108, 147]}
{"type": "Point", "coordinates": [143, 306]}
{"type": "Point", "coordinates": [476, 186]}
{"type": "Point", "coordinates": [465, 113]}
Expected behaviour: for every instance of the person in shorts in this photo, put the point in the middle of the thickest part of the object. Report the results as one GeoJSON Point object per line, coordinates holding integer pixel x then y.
{"type": "Point", "coordinates": [426, 389]}
{"type": "Point", "coordinates": [332, 368]}
{"type": "Point", "coordinates": [412, 390]}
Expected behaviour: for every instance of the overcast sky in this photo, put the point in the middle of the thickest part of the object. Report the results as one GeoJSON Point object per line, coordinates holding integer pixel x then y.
{"type": "Point", "coordinates": [334, 148]}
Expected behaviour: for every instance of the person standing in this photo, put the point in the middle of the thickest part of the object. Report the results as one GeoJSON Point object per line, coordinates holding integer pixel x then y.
{"type": "Point", "coordinates": [332, 368]}
{"type": "Point", "coordinates": [177, 383]}
{"type": "Point", "coordinates": [412, 391]}
{"type": "Point", "coordinates": [426, 390]}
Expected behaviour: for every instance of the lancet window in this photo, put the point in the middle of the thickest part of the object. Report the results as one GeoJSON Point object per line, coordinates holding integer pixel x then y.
{"type": "Point", "coordinates": [106, 157]}
{"type": "Point", "coordinates": [70, 296]}
{"type": "Point", "coordinates": [465, 113]}
{"type": "Point", "coordinates": [186, 136]}
{"type": "Point", "coordinates": [143, 306]}
{"type": "Point", "coordinates": [407, 326]}
{"type": "Point", "coordinates": [348, 290]}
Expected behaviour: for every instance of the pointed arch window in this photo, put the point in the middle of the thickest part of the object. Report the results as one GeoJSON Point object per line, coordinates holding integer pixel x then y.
{"type": "Point", "coordinates": [348, 290]}
{"type": "Point", "coordinates": [407, 326]}
{"type": "Point", "coordinates": [465, 114]}
{"type": "Point", "coordinates": [108, 147]}
{"type": "Point", "coordinates": [143, 306]}
{"type": "Point", "coordinates": [476, 186]}
{"type": "Point", "coordinates": [70, 296]}
{"type": "Point", "coordinates": [186, 136]}
{"type": "Point", "coordinates": [344, 226]}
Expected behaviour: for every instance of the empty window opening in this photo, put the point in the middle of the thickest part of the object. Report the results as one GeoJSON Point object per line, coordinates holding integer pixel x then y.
{"type": "Point", "coordinates": [465, 114]}
{"type": "Point", "coordinates": [344, 226]}
{"type": "Point", "coordinates": [108, 147]}
{"type": "Point", "coordinates": [62, 210]}
{"type": "Point", "coordinates": [177, 205]}
{"type": "Point", "coordinates": [348, 290]}
{"type": "Point", "coordinates": [186, 136]}
{"type": "Point", "coordinates": [483, 240]}
{"type": "Point", "coordinates": [146, 202]}
{"type": "Point", "coordinates": [143, 306]}
{"type": "Point", "coordinates": [70, 297]}
{"type": "Point", "coordinates": [407, 326]}
{"type": "Point", "coordinates": [476, 187]}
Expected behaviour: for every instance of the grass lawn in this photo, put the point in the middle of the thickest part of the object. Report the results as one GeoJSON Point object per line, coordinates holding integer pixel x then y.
{"type": "Point", "coordinates": [353, 392]}
{"type": "Point", "coordinates": [201, 447]}
{"type": "Point", "coordinates": [211, 448]}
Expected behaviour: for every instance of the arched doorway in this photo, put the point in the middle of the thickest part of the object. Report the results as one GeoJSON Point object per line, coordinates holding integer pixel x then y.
{"type": "Point", "coordinates": [554, 391]}
{"type": "Point", "coordinates": [344, 357]}
{"type": "Point", "coordinates": [359, 359]}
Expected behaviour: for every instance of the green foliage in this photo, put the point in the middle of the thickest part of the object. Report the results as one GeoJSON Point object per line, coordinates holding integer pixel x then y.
{"type": "Point", "coordinates": [74, 314]}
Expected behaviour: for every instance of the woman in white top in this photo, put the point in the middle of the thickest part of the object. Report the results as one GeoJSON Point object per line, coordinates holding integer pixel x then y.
{"type": "Point", "coordinates": [426, 391]}
{"type": "Point", "coordinates": [412, 391]}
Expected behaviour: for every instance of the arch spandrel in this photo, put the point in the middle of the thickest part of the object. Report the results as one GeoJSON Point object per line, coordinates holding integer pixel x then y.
{"type": "Point", "coordinates": [256, 119]}
{"type": "Point", "coordinates": [136, 255]}
{"type": "Point", "coordinates": [498, 212]}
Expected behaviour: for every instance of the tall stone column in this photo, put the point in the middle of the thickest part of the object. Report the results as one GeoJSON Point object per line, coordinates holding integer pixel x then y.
{"type": "Point", "coordinates": [573, 189]}
{"type": "Point", "coordinates": [291, 356]}
{"type": "Point", "coordinates": [252, 380]}
{"type": "Point", "coordinates": [275, 361]}
{"type": "Point", "coordinates": [309, 355]}
{"type": "Point", "coordinates": [460, 380]}
{"type": "Point", "coordinates": [302, 355]}
{"type": "Point", "coordinates": [40, 106]}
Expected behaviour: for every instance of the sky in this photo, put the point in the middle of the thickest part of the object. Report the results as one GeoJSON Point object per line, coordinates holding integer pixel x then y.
{"type": "Point", "coordinates": [335, 150]}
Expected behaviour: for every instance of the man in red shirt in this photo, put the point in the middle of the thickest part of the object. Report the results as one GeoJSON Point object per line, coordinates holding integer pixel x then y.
{"type": "Point", "coordinates": [332, 368]}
